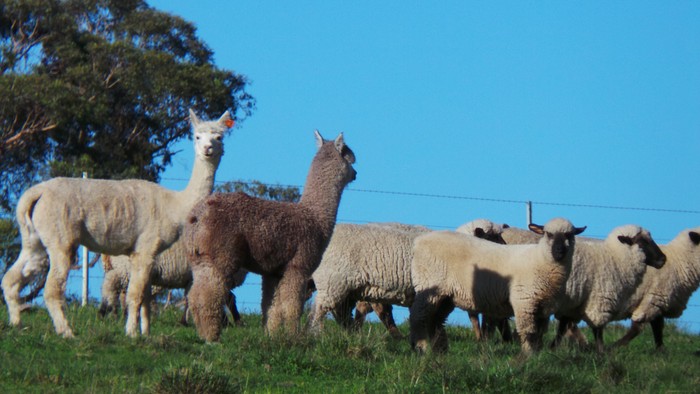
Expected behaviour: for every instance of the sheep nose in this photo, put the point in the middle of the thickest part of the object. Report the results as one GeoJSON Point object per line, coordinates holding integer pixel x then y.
{"type": "Point", "coordinates": [354, 174]}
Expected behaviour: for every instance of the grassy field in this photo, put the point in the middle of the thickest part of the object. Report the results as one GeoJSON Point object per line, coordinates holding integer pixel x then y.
{"type": "Point", "coordinates": [173, 360]}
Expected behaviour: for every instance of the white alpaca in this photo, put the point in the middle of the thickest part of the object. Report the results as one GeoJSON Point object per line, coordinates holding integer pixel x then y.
{"type": "Point", "coordinates": [132, 217]}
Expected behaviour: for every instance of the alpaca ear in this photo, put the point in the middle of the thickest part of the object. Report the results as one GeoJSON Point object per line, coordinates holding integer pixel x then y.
{"type": "Point", "coordinates": [339, 143]}
{"type": "Point", "coordinates": [226, 120]}
{"type": "Point", "coordinates": [193, 118]}
{"type": "Point", "coordinates": [319, 139]}
{"type": "Point", "coordinates": [536, 228]}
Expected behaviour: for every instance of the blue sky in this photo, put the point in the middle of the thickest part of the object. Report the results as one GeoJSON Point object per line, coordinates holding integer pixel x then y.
{"type": "Point", "coordinates": [566, 104]}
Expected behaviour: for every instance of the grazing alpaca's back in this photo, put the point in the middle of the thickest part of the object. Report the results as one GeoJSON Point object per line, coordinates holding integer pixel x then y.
{"type": "Point", "coordinates": [132, 217]}
{"type": "Point", "coordinates": [281, 241]}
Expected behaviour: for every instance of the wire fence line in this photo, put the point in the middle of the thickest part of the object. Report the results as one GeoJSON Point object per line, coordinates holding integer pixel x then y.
{"type": "Point", "coordinates": [255, 286]}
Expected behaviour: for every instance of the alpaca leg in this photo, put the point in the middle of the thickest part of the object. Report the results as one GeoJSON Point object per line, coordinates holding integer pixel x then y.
{"type": "Point", "coordinates": [55, 291]}
{"type": "Point", "coordinates": [31, 262]}
{"type": "Point", "coordinates": [139, 284]}
{"type": "Point", "coordinates": [145, 312]}
{"type": "Point", "coordinates": [231, 305]}
{"type": "Point", "coordinates": [288, 301]}
{"type": "Point", "coordinates": [205, 301]}
{"type": "Point", "coordinates": [269, 287]}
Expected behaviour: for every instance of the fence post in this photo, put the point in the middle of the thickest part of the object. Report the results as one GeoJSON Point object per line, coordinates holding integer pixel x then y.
{"type": "Point", "coordinates": [85, 266]}
{"type": "Point", "coordinates": [528, 205]}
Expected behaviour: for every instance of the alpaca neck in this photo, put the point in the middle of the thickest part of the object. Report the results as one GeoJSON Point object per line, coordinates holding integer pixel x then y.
{"type": "Point", "coordinates": [322, 197]}
{"type": "Point", "coordinates": [201, 181]}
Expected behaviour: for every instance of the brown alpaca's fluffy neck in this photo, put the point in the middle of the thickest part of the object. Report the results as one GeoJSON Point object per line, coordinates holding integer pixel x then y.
{"type": "Point", "coordinates": [201, 181]}
{"type": "Point", "coordinates": [322, 192]}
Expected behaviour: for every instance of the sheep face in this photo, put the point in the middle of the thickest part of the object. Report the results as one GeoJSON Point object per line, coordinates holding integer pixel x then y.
{"type": "Point", "coordinates": [484, 229]}
{"type": "Point", "coordinates": [641, 238]}
{"type": "Point", "coordinates": [559, 234]}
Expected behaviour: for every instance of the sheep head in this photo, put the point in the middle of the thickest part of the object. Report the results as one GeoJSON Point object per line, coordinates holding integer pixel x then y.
{"type": "Point", "coordinates": [559, 234]}
{"type": "Point", "coordinates": [635, 236]}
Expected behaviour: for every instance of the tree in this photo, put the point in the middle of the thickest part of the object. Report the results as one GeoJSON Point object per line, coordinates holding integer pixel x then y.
{"type": "Point", "coordinates": [258, 189]}
{"type": "Point", "coordinates": [101, 86]}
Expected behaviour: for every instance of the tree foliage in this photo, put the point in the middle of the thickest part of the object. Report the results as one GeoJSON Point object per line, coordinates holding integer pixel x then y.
{"type": "Point", "coordinates": [258, 189]}
{"type": "Point", "coordinates": [101, 86]}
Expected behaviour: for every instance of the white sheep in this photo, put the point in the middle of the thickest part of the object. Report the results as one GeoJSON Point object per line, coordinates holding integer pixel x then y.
{"type": "Point", "coordinates": [490, 231]}
{"type": "Point", "coordinates": [452, 269]}
{"type": "Point", "coordinates": [665, 292]}
{"type": "Point", "coordinates": [364, 262]}
{"type": "Point", "coordinates": [132, 217]}
{"type": "Point", "coordinates": [170, 271]}
{"type": "Point", "coordinates": [481, 228]}
{"type": "Point", "coordinates": [603, 276]}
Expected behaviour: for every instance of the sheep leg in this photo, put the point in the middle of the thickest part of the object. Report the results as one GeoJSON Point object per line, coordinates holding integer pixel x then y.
{"type": "Point", "coordinates": [474, 319]}
{"type": "Point", "coordinates": [440, 341]}
{"type": "Point", "coordinates": [288, 301]}
{"type": "Point", "coordinates": [31, 261]}
{"type": "Point", "coordinates": [421, 316]}
{"type": "Point", "coordinates": [139, 282]}
{"type": "Point", "coordinates": [598, 335]}
{"type": "Point", "coordinates": [385, 313]}
{"type": "Point", "coordinates": [527, 326]}
{"type": "Point", "coordinates": [362, 309]}
{"type": "Point", "coordinates": [55, 290]}
{"type": "Point", "coordinates": [504, 327]}
{"type": "Point", "coordinates": [145, 311]}
{"type": "Point", "coordinates": [342, 314]}
{"type": "Point", "coordinates": [561, 330]}
{"type": "Point", "coordinates": [632, 333]}
{"type": "Point", "coordinates": [657, 328]}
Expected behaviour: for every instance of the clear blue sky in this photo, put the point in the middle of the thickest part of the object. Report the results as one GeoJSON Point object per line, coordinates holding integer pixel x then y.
{"type": "Point", "coordinates": [565, 104]}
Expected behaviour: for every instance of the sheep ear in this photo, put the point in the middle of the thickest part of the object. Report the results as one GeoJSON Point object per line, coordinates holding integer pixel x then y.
{"type": "Point", "coordinates": [505, 225]}
{"type": "Point", "coordinates": [319, 139]}
{"type": "Point", "coordinates": [226, 120]}
{"type": "Point", "coordinates": [193, 118]}
{"type": "Point", "coordinates": [625, 240]}
{"type": "Point", "coordinates": [695, 237]}
{"type": "Point", "coordinates": [479, 232]}
{"type": "Point", "coordinates": [579, 230]}
{"type": "Point", "coordinates": [536, 228]}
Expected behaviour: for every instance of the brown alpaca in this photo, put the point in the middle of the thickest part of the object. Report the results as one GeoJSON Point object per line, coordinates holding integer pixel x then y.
{"type": "Point", "coordinates": [281, 241]}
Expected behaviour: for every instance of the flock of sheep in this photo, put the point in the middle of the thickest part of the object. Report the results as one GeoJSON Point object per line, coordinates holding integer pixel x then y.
{"type": "Point", "coordinates": [207, 243]}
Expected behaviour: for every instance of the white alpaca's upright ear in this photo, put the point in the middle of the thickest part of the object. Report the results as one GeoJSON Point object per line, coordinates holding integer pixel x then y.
{"type": "Point", "coordinates": [319, 139]}
{"type": "Point", "coordinates": [339, 142]}
{"type": "Point", "coordinates": [225, 120]}
{"type": "Point", "coordinates": [193, 118]}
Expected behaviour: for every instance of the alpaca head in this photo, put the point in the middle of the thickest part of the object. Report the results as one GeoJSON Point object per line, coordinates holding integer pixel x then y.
{"type": "Point", "coordinates": [338, 157]}
{"type": "Point", "coordinates": [208, 136]}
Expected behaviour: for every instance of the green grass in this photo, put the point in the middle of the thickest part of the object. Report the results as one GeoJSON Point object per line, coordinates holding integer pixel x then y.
{"type": "Point", "coordinates": [101, 359]}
